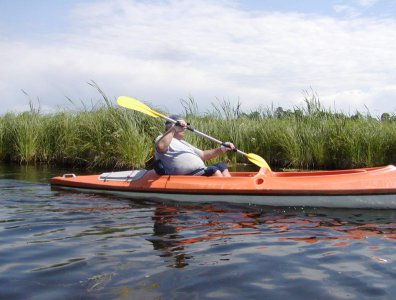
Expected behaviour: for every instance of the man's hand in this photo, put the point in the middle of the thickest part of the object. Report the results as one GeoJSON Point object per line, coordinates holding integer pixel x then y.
{"type": "Point", "coordinates": [180, 126]}
{"type": "Point", "coordinates": [227, 146]}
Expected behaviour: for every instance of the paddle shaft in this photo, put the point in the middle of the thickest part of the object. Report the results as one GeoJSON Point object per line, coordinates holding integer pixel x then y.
{"type": "Point", "coordinates": [213, 139]}
{"type": "Point", "coordinates": [197, 132]}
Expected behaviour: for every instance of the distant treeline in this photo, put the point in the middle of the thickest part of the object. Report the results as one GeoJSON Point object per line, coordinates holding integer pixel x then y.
{"type": "Point", "coordinates": [110, 137]}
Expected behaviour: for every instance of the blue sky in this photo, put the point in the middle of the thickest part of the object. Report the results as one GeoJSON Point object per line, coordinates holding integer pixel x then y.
{"type": "Point", "coordinates": [32, 19]}
{"type": "Point", "coordinates": [261, 53]}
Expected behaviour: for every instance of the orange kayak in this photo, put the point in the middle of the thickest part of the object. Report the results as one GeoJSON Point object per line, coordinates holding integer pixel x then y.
{"type": "Point", "coordinates": [355, 188]}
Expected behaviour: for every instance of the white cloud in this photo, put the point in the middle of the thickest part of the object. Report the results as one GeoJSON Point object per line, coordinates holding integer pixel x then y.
{"type": "Point", "coordinates": [163, 51]}
{"type": "Point", "coordinates": [354, 9]}
{"type": "Point", "coordinates": [348, 10]}
{"type": "Point", "coordinates": [367, 3]}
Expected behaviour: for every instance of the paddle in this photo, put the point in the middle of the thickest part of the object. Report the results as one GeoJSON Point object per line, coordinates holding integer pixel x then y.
{"type": "Point", "coordinates": [135, 104]}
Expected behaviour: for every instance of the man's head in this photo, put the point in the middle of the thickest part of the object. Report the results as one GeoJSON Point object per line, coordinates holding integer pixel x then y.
{"type": "Point", "coordinates": [180, 130]}
{"type": "Point", "coordinates": [173, 117]}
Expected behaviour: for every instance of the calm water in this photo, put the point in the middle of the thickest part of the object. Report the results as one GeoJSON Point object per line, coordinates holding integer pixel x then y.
{"type": "Point", "coordinates": [64, 245]}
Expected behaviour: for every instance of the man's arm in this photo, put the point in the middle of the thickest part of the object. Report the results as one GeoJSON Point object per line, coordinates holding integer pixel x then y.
{"type": "Point", "coordinates": [212, 153]}
{"type": "Point", "coordinates": [163, 142]}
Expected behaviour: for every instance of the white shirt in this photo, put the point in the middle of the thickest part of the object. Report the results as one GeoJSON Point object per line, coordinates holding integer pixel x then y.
{"type": "Point", "coordinates": [180, 158]}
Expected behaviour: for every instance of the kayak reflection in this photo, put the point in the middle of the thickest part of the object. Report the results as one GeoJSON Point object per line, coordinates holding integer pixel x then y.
{"type": "Point", "coordinates": [182, 231]}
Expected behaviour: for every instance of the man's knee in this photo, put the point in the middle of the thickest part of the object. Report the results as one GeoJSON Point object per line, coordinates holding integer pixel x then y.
{"type": "Point", "coordinates": [217, 173]}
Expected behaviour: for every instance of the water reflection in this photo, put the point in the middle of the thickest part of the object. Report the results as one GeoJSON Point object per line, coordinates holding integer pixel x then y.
{"type": "Point", "coordinates": [177, 228]}
{"type": "Point", "coordinates": [34, 173]}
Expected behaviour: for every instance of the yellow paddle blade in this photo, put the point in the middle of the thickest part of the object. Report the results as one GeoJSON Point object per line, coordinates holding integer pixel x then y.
{"type": "Point", "coordinates": [258, 161]}
{"type": "Point", "coordinates": [135, 104]}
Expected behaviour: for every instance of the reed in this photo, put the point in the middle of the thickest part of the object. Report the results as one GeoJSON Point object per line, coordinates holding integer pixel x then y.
{"type": "Point", "coordinates": [106, 136]}
{"type": "Point", "coordinates": [24, 137]}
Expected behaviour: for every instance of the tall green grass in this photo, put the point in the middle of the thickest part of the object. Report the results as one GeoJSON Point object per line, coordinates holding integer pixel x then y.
{"type": "Point", "coordinates": [106, 136]}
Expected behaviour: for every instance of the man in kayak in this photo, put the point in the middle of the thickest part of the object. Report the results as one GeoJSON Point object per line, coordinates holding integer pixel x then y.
{"type": "Point", "coordinates": [175, 156]}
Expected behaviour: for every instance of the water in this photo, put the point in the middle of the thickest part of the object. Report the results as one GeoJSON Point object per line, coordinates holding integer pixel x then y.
{"type": "Point", "coordinates": [65, 245]}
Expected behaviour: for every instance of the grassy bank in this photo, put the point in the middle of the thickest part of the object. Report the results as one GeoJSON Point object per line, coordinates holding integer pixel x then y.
{"type": "Point", "coordinates": [106, 136]}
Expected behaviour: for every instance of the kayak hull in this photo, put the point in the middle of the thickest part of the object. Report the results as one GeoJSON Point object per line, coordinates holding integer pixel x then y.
{"type": "Point", "coordinates": [356, 188]}
{"type": "Point", "coordinates": [329, 201]}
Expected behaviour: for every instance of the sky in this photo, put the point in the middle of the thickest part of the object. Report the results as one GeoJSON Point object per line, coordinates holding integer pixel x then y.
{"type": "Point", "coordinates": [262, 54]}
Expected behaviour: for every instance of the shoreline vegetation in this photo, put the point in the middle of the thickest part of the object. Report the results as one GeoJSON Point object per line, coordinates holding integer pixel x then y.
{"type": "Point", "coordinates": [109, 137]}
